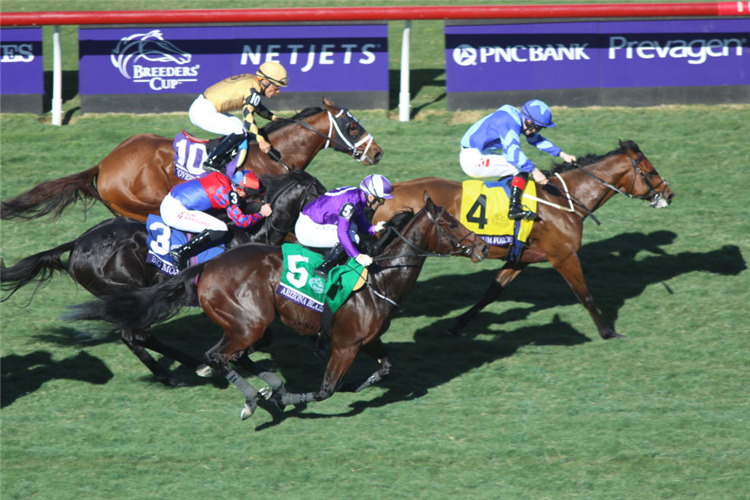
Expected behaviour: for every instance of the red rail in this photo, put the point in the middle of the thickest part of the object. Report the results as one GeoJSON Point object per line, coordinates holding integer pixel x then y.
{"type": "Point", "coordinates": [702, 9]}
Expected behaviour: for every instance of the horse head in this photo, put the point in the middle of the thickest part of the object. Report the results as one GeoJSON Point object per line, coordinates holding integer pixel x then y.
{"type": "Point", "coordinates": [647, 183]}
{"type": "Point", "coordinates": [347, 134]}
{"type": "Point", "coordinates": [460, 241]}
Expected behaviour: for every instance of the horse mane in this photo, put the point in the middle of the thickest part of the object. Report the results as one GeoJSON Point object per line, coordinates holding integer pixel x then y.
{"type": "Point", "coordinates": [582, 161]}
{"type": "Point", "coordinates": [272, 127]}
{"type": "Point", "coordinates": [398, 222]}
{"type": "Point", "coordinates": [274, 183]}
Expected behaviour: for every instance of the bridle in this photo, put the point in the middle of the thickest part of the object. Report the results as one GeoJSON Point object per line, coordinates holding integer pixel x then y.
{"type": "Point", "coordinates": [653, 196]}
{"type": "Point", "coordinates": [340, 140]}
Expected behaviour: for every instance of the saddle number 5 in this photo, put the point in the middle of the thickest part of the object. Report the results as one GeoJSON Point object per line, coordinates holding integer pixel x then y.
{"type": "Point", "coordinates": [480, 205]}
{"type": "Point", "coordinates": [297, 274]}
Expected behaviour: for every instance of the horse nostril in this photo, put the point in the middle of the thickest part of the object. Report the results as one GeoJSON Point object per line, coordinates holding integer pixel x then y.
{"type": "Point", "coordinates": [377, 157]}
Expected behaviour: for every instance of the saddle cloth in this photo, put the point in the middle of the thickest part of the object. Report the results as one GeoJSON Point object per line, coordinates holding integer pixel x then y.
{"type": "Point", "coordinates": [300, 284]}
{"type": "Point", "coordinates": [162, 238]}
{"type": "Point", "coordinates": [191, 152]}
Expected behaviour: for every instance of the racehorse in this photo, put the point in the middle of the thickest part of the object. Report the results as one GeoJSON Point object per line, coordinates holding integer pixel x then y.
{"type": "Point", "coordinates": [133, 179]}
{"type": "Point", "coordinates": [111, 258]}
{"type": "Point", "coordinates": [556, 234]}
{"type": "Point", "coordinates": [237, 290]}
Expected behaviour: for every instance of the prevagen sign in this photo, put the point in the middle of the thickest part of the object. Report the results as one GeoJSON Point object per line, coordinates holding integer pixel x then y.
{"type": "Point", "coordinates": [21, 62]}
{"type": "Point", "coordinates": [488, 58]}
{"type": "Point", "coordinates": [188, 60]}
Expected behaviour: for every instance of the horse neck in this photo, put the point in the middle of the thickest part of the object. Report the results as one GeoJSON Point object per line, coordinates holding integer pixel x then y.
{"type": "Point", "coordinates": [299, 148]}
{"type": "Point", "coordinates": [592, 193]}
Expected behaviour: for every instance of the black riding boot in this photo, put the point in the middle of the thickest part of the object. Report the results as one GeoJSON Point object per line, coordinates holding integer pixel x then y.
{"type": "Point", "coordinates": [516, 211]}
{"type": "Point", "coordinates": [334, 258]}
{"type": "Point", "coordinates": [180, 255]}
{"type": "Point", "coordinates": [216, 158]}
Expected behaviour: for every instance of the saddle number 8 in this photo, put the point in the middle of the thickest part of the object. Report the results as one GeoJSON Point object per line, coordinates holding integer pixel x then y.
{"type": "Point", "coordinates": [480, 205]}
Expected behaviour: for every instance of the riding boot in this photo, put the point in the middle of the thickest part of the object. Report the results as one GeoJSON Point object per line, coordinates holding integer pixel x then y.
{"type": "Point", "coordinates": [516, 210]}
{"type": "Point", "coordinates": [334, 258]}
{"type": "Point", "coordinates": [180, 255]}
{"type": "Point", "coordinates": [216, 158]}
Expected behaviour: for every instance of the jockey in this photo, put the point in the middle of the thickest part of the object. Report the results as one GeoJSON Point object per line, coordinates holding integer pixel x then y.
{"type": "Point", "coordinates": [492, 148]}
{"type": "Point", "coordinates": [183, 208]}
{"type": "Point", "coordinates": [210, 110]}
{"type": "Point", "coordinates": [333, 220]}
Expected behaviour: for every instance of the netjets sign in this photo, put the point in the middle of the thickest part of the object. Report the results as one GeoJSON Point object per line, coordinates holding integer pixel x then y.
{"type": "Point", "coordinates": [22, 70]}
{"type": "Point", "coordinates": [188, 60]}
{"type": "Point", "coordinates": [491, 58]}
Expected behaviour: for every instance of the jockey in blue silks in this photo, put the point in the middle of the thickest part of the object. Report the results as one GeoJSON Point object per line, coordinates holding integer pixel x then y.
{"type": "Point", "coordinates": [334, 219]}
{"type": "Point", "coordinates": [492, 148]}
{"type": "Point", "coordinates": [185, 205]}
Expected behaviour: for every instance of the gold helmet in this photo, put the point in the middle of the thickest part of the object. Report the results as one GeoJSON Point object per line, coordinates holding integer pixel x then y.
{"type": "Point", "coordinates": [274, 73]}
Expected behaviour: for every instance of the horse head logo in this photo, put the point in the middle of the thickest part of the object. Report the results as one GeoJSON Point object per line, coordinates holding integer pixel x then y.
{"type": "Point", "coordinates": [150, 46]}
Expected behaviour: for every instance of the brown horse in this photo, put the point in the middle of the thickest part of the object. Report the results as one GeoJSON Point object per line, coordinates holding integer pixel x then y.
{"type": "Point", "coordinates": [133, 179]}
{"type": "Point", "coordinates": [556, 235]}
{"type": "Point", "coordinates": [237, 290]}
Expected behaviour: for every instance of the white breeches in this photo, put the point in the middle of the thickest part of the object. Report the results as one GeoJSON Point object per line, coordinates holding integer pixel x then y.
{"type": "Point", "coordinates": [311, 234]}
{"type": "Point", "coordinates": [478, 165]}
{"type": "Point", "coordinates": [176, 215]}
{"type": "Point", "coordinates": [203, 114]}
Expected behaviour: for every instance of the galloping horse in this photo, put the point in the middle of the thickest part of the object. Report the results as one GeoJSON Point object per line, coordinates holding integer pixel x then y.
{"type": "Point", "coordinates": [556, 235]}
{"type": "Point", "coordinates": [111, 258]}
{"type": "Point", "coordinates": [133, 179]}
{"type": "Point", "coordinates": [237, 290]}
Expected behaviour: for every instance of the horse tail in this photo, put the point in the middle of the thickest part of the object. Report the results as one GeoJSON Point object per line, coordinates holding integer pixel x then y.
{"type": "Point", "coordinates": [141, 308]}
{"type": "Point", "coordinates": [52, 196]}
{"type": "Point", "coordinates": [38, 267]}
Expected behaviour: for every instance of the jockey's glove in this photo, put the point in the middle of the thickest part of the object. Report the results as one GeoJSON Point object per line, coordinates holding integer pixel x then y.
{"type": "Point", "coordinates": [363, 259]}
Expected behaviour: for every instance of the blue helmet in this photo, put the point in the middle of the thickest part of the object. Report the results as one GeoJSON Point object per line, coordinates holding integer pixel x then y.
{"type": "Point", "coordinates": [538, 112]}
{"type": "Point", "coordinates": [377, 185]}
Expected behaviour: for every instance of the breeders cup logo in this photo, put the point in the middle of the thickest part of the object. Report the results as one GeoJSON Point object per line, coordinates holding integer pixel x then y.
{"type": "Point", "coordinates": [308, 55]}
{"type": "Point", "coordinates": [153, 61]}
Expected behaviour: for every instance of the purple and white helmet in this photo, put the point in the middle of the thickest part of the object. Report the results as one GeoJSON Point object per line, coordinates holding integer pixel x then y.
{"type": "Point", "coordinates": [377, 185]}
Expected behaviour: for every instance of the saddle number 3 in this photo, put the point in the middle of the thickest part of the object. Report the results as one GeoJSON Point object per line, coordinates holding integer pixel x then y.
{"type": "Point", "coordinates": [297, 274]}
{"type": "Point", "coordinates": [477, 214]}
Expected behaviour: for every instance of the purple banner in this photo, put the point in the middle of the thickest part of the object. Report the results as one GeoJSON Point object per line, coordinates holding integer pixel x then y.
{"type": "Point", "coordinates": [21, 62]}
{"type": "Point", "coordinates": [148, 60]}
{"type": "Point", "coordinates": [488, 58]}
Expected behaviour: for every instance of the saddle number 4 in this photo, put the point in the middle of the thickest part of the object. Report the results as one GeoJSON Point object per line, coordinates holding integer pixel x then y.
{"type": "Point", "coordinates": [477, 214]}
{"type": "Point", "coordinates": [297, 274]}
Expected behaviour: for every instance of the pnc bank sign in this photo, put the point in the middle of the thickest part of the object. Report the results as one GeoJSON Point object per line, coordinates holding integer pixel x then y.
{"type": "Point", "coordinates": [485, 58]}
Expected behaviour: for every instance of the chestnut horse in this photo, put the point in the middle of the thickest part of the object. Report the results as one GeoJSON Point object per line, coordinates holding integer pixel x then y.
{"type": "Point", "coordinates": [111, 258]}
{"type": "Point", "coordinates": [133, 179]}
{"type": "Point", "coordinates": [237, 290]}
{"type": "Point", "coordinates": [556, 235]}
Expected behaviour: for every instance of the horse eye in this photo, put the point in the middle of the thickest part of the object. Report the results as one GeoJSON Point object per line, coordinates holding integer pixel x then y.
{"type": "Point", "coordinates": [453, 225]}
{"type": "Point", "coordinates": [353, 129]}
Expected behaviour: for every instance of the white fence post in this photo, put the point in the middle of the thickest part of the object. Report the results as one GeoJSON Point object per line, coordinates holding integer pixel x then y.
{"type": "Point", "coordinates": [404, 96]}
{"type": "Point", "coordinates": [56, 78]}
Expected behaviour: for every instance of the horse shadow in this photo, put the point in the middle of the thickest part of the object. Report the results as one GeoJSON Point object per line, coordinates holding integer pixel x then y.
{"type": "Point", "coordinates": [418, 366]}
{"type": "Point", "coordinates": [612, 269]}
{"type": "Point", "coordinates": [22, 375]}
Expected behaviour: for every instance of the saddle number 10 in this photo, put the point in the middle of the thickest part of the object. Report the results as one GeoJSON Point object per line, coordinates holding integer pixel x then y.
{"type": "Point", "coordinates": [480, 206]}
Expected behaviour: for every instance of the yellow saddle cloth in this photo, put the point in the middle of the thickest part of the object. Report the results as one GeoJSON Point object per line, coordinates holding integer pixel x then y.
{"type": "Point", "coordinates": [484, 210]}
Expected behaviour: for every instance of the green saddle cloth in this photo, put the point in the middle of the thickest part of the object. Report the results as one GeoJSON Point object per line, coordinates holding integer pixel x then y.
{"type": "Point", "coordinates": [300, 284]}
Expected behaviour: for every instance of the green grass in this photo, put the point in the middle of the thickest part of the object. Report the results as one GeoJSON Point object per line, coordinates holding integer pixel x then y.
{"type": "Point", "coordinates": [528, 404]}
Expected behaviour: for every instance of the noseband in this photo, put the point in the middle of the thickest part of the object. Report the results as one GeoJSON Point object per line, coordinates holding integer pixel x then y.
{"type": "Point", "coordinates": [653, 196]}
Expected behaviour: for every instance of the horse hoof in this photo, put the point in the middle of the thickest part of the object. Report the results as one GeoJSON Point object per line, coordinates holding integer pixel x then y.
{"type": "Point", "coordinates": [204, 371]}
{"type": "Point", "coordinates": [246, 412]}
{"type": "Point", "coordinates": [266, 392]}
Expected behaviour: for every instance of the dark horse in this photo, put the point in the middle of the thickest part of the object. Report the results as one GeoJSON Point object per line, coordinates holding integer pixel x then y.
{"type": "Point", "coordinates": [237, 290]}
{"type": "Point", "coordinates": [110, 258]}
{"type": "Point", "coordinates": [133, 179]}
{"type": "Point", "coordinates": [556, 235]}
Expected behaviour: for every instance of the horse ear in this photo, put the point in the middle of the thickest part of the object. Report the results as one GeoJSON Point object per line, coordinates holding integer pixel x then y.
{"type": "Point", "coordinates": [428, 203]}
{"type": "Point", "coordinates": [328, 103]}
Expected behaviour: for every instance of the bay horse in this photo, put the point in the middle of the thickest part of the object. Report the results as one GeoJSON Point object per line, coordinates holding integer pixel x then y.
{"type": "Point", "coordinates": [111, 258]}
{"type": "Point", "coordinates": [237, 290]}
{"type": "Point", "coordinates": [557, 232]}
{"type": "Point", "coordinates": [135, 177]}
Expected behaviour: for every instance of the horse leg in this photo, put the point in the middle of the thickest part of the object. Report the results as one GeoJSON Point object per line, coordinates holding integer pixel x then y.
{"type": "Point", "coordinates": [376, 349]}
{"type": "Point", "coordinates": [217, 358]}
{"type": "Point", "coordinates": [150, 342]}
{"type": "Point", "coordinates": [504, 277]}
{"type": "Point", "coordinates": [341, 359]}
{"type": "Point", "coordinates": [570, 269]}
{"type": "Point", "coordinates": [161, 373]}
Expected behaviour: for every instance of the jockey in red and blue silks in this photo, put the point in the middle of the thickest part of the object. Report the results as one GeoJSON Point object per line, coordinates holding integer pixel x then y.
{"type": "Point", "coordinates": [492, 148]}
{"type": "Point", "coordinates": [334, 219]}
{"type": "Point", "coordinates": [184, 209]}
